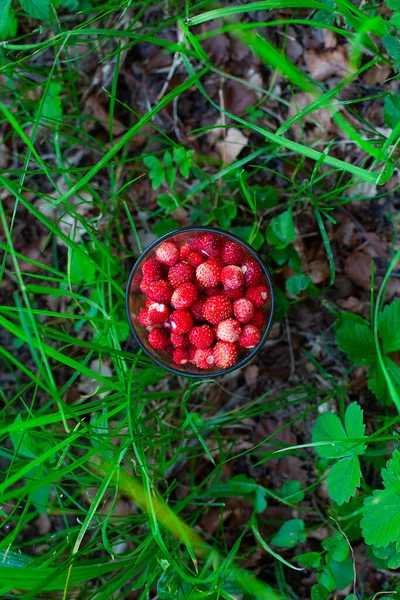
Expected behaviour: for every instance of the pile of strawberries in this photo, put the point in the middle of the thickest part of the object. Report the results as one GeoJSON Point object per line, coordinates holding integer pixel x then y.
{"type": "Point", "coordinates": [204, 301]}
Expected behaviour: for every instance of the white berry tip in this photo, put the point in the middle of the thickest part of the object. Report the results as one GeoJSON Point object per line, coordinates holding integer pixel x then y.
{"type": "Point", "coordinates": [210, 360]}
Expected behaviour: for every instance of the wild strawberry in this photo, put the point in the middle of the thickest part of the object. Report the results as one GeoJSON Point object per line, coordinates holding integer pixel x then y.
{"type": "Point", "coordinates": [169, 349]}
{"type": "Point", "coordinates": [216, 309]}
{"type": "Point", "coordinates": [218, 290]}
{"type": "Point", "coordinates": [250, 337]}
{"type": "Point", "coordinates": [191, 352]}
{"type": "Point", "coordinates": [202, 337]}
{"type": "Point", "coordinates": [235, 294]}
{"type": "Point", "coordinates": [184, 252]}
{"type": "Point", "coordinates": [143, 318]}
{"type": "Point", "coordinates": [210, 244]}
{"type": "Point", "coordinates": [208, 273]}
{"type": "Point", "coordinates": [184, 295]}
{"type": "Point", "coordinates": [225, 354]}
{"type": "Point", "coordinates": [232, 253]}
{"type": "Point", "coordinates": [204, 359]}
{"type": "Point", "coordinates": [158, 339]}
{"type": "Point", "coordinates": [181, 321]}
{"type": "Point", "coordinates": [158, 313]}
{"type": "Point", "coordinates": [196, 259]}
{"type": "Point", "coordinates": [168, 253]}
{"type": "Point", "coordinates": [160, 291]}
{"type": "Point", "coordinates": [232, 277]}
{"type": "Point", "coordinates": [180, 357]}
{"type": "Point", "coordinates": [182, 272]}
{"type": "Point", "coordinates": [258, 295]}
{"type": "Point", "coordinates": [197, 308]}
{"type": "Point", "coordinates": [194, 243]}
{"type": "Point", "coordinates": [228, 330]}
{"type": "Point", "coordinates": [252, 271]}
{"type": "Point", "coordinates": [145, 285]}
{"type": "Point", "coordinates": [258, 319]}
{"type": "Point", "coordinates": [151, 269]}
{"type": "Point", "coordinates": [179, 340]}
{"type": "Point", "coordinates": [243, 310]}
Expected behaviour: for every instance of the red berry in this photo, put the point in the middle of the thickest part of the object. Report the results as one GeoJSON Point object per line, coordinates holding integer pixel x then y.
{"type": "Point", "coordinates": [216, 309]}
{"type": "Point", "coordinates": [182, 272]}
{"type": "Point", "coordinates": [143, 318]}
{"type": "Point", "coordinates": [179, 340]}
{"type": "Point", "coordinates": [158, 339]}
{"type": "Point", "coordinates": [232, 277]}
{"type": "Point", "coordinates": [197, 308]}
{"type": "Point", "coordinates": [210, 244]}
{"type": "Point", "coordinates": [252, 271]}
{"type": "Point", "coordinates": [151, 269]}
{"type": "Point", "coordinates": [196, 259]}
{"type": "Point", "coordinates": [235, 294]}
{"type": "Point", "coordinates": [243, 310]}
{"type": "Point", "coordinates": [250, 337]}
{"type": "Point", "coordinates": [204, 359]}
{"type": "Point", "coordinates": [158, 313]}
{"type": "Point", "coordinates": [194, 243]}
{"type": "Point", "coordinates": [191, 352]}
{"type": "Point", "coordinates": [208, 273]}
{"type": "Point", "coordinates": [160, 291]}
{"type": "Point", "coordinates": [232, 253]}
{"type": "Point", "coordinates": [202, 337]}
{"type": "Point", "coordinates": [258, 295]}
{"type": "Point", "coordinates": [228, 330]}
{"type": "Point", "coordinates": [168, 253]}
{"type": "Point", "coordinates": [258, 319]}
{"type": "Point", "coordinates": [184, 295]}
{"type": "Point", "coordinates": [180, 357]}
{"type": "Point", "coordinates": [145, 285]}
{"type": "Point", "coordinates": [225, 354]}
{"type": "Point", "coordinates": [214, 291]}
{"type": "Point", "coordinates": [181, 321]}
{"type": "Point", "coordinates": [184, 252]}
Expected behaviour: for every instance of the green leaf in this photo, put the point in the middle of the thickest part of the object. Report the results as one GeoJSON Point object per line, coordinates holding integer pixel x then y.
{"type": "Point", "coordinates": [309, 559]}
{"type": "Point", "coordinates": [183, 159]}
{"type": "Point", "coordinates": [37, 9]}
{"type": "Point", "coordinates": [282, 306]}
{"type": "Point", "coordinates": [381, 513]}
{"type": "Point", "coordinates": [167, 159]}
{"type": "Point", "coordinates": [71, 5]}
{"type": "Point", "coordinates": [389, 555]}
{"type": "Point", "coordinates": [377, 382]}
{"type": "Point", "coordinates": [239, 486]}
{"type": "Point", "coordinates": [319, 592]}
{"type": "Point", "coordinates": [297, 283]}
{"type": "Point", "coordinates": [168, 585]}
{"type": "Point", "coordinates": [391, 108]}
{"type": "Point", "coordinates": [81, 269]}
{"type": "Point", "coordinates": [170, 175]}
{"type": "Point", "coordinates": [392, 45]}
{"type": "Point", "coordinates": [166, 201]}
{"type": "Point", "coordinates": [389, 326]}
{"type": "Point", "coordinates": [153, 163]}
{"type": "Point", "coordinates": [247, 234]}
{"type": "Point", "coordinates": [280, 231]}
{"type": "Point", "coordinates": [337, 547]}
{"type": "Point", "coordinates": [164, 226]}
{"type": "Point", "coordinates": [353, 421]}
{"type": "Point", "coordinates": [326, 579]}
{"type": "Point", "coordinates": [51, 109]}
{"type": "Point", "coordinates": [8, 21]}
{"type": "Point", "coordinates": [290, 534]}
{"type": "Point", "coordinates": [291, 491]}
{"type": "Point", "coordinates": [395, 20]}
{"type": "Point", "coordinates": [328, 428]}
{"type": "Point", "coordinates": [357, 341]}
{"type": "Point", "coordinates": [342, 572]}
{"type": "Point", "coordinates": [344, 479]}
{"type": "Point", "coordinates": [393, 4]}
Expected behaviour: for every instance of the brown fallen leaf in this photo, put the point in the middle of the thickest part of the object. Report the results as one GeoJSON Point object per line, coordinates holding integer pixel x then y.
{"type": "Point", "coordinates": [238, 97]}
{"type": "Point", "coordinates": [230, 148]}
{"type": "Point", "coordinates": [358, 268]}
{"type": "Point", "coordinates": [97, 110]}
{"type": "Point", "coordinates": [377, 74]}
{"type": "Point", "coordinates": [322, 65]}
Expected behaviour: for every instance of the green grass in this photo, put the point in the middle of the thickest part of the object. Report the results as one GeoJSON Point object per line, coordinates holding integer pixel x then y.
{"type": "Point", "coordinates": [118, 460]}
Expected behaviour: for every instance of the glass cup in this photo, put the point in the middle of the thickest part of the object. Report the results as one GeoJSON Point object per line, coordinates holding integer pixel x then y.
{"type": "Point", "coordinates": [135, 302]}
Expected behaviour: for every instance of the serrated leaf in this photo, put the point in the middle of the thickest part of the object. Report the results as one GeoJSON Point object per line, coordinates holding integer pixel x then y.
{"type": "Point", "coordinates": [328, 428]}
{"type": "Point", "coordinates": [344, 479]}
{"type": "Point", "coordinates": [153, 163]}
{"type": "Point", "coordinates": [353, 421]}
{"type": "Point", "coordinates": [81, 269]}
{"type": "Point", "coordinates": [357, 342]}
{"type": "Point", "coordinates": [393, 4]}
{"type": "Point", "coordinates": [381, 513]}
{"type": "Point", "coordinates": [290, 534]}
{"type": "Point", "coordinates": [51, 109]}
{"type": "Point", "coordinates": [167, 201]}
{"type": "Point", "coordinates": [392, 45]}
{"type": "Point", "coordinates": [337, 547]}
{"type": "Point", "coordinates": [280, 231]}
{"type": "Point", "coordinates": [37, 9]}
{"type": "Point", "coordinates": [376, 380]}
{"type": "Point", "coordinates": [296, 284]}
{"type": "Point", "coordinates": [164, 226]}
{"type": "Point", "coordinates": [389, 326]}
{"type": "Point", "coordinates": [8, 21]}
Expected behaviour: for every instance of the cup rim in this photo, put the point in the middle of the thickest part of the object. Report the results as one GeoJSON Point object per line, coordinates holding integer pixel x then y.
{"type": "Point", "coordinates": [267, 274]}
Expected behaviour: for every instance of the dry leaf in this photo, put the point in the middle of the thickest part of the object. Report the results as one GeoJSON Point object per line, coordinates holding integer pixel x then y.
{"type": "Point", "coordinates": [318, 270]}
{"type": "Point", "coordinates": [238, 97]}
{"type": "Point", "coordinates": [322, 65]}
{"type": "Point", "coordinates": [358, 269]}
{"type": "Point", "coordinates": [230, 148]}
{"type": "Point", "coordinates": [95, 108]}
{"type": "Point", "coordinates": [293, 48]}
{"type": "Point", "coordinates": [377, 74]}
